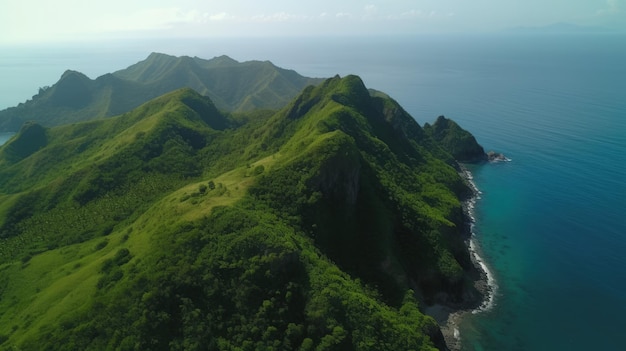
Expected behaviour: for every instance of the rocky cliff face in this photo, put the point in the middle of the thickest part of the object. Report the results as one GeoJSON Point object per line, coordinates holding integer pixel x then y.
{"type": "Point", "coordinates": [457, 141]}
{"type": "Point", "coordinates": [339, 178]}
{"type": "Point", "coordinates": [374, 191]}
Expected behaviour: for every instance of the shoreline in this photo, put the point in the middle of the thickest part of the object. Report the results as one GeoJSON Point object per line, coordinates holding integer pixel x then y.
{"type": "Point", "coordinates": [452, 317]}
{"type": "Point", "coordinates": [449, 318]}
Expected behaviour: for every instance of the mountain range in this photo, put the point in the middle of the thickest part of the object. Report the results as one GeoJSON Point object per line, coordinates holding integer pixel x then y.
{"type": "Point", "coordinates": [231, 85]}
{"type": "Point", "coordinates": [561, 28]}
{"type": "Point", "coordinates": [325, 224]}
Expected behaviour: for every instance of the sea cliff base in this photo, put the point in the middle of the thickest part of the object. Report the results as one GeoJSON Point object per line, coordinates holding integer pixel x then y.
{"type": "Point", "coordinates": [450, 315]}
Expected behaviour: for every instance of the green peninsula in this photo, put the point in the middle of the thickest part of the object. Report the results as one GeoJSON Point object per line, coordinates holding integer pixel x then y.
{"type": "Point", "coordinates": [326, 224]}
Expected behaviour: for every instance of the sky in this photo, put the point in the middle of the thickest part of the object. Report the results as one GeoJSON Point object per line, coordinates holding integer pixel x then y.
{"type": "Point", "coordinates": [28, 21]}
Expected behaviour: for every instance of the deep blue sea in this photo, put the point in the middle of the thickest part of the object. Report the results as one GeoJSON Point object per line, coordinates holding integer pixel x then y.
{"type": "Point", "coordinates": [551, 224]}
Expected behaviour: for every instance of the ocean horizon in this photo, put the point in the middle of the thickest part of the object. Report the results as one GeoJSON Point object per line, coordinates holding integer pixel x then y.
{"type": "Point", "coordinates": [549, 225]}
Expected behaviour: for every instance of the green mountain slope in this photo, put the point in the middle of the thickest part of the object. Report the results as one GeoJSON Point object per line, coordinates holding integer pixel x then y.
{"type": "Point", "coordinates": [175, 226]}
{"type": "Point", "coordinates": [460, 143]}
{"type": "Point", "coordinates": [233, 86]}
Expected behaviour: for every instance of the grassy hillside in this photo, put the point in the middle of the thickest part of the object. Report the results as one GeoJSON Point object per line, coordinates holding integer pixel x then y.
{"type": "Point", "coordinates": [175, 226]}
{"type": "Point", "coordinates": [233, 86]}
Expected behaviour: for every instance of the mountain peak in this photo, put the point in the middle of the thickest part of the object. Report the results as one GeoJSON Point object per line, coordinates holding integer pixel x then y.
{"type": "Point", "coordinates": [348, 91]}
{"type": "Point", "coordinates": [158, 54]}
{"type": "Point", "coordinates": [222, 60]}
{"type": "Point", "coordinates": [71, 91]}
{"type": "Point", "coordinates": [460, 143]}
{"type": "Point", "coordinates": [187, 104]}
{"type": "Point", "coordinates": [73, 74]}
{"type": "Point", "coordinates": [203, 107]}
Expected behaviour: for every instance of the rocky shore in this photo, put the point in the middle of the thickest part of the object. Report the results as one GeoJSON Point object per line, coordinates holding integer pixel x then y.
{"type": "Point", "coordinates": [450, 315]}
{"type": "Point", "coordinates": [449, 318]}
{"type": "Point", "coordinates": [493, 156]}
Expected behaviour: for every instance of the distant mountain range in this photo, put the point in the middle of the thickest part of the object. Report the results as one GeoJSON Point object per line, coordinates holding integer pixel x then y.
{"type": "Point", "coordinates": [231, 85]}
{"type": "Point", "coordinates": [560, 28]}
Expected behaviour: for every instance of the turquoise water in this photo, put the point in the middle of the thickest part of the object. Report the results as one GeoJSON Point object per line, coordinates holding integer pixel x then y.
{"type": "Point", "coordinates": [551, 224]}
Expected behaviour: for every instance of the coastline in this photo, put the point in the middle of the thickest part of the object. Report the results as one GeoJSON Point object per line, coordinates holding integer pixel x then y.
{"type": "Point", "coordinates": [448, 317]}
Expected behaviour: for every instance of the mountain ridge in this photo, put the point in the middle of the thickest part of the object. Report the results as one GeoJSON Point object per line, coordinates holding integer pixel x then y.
{"type": "Point", "coordinates": [182, 225]}
{"type": "Point", "coordinates": [561, 28]}
{"type": "Point", "coordinates": [232, 85]}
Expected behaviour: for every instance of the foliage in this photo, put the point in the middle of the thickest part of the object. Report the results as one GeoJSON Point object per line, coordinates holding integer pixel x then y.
{"type": "Point", "coordinates": [175, 227]}
{"type": "Point", "coordinates": [31, 138]}
{"type": "Point", "coordinates": [458, 142]}
{"type": "Point", "coordinates": [241, 279]}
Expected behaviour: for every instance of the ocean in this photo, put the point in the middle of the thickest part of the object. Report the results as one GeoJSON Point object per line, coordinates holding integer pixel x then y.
{"type": "Point", "coordinates": [550, 224]}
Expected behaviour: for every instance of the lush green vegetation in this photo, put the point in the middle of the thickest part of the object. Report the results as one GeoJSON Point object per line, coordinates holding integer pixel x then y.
{"type": "Point", "coordinates": [232, 85]}
{"type": "Point", "coordinates": [322, 226]}
{"type": "Point", "coordinates": [460, 143]}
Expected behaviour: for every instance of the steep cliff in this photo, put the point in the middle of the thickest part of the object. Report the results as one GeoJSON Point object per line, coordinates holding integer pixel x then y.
{"type": "Point", "coordinates": [460, 143]}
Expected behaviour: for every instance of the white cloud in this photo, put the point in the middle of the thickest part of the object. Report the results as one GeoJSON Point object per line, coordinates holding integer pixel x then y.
{"type": "Point", "coordinates": [412, 14]}
{"type": "Point", "coordinates": [371, 8]}
{"type": "Point", "coordinates": [148, 19]}
{"type": "Point", "coordinates": [371, 12]}
{"type": "Point", "coordinates": [222, 16]}
{"type": "Point", "coordinates": [277, 17]}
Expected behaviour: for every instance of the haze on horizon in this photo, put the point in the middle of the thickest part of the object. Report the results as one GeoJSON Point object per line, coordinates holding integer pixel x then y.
{"type": "Point", "coordinates": [36, 21]}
